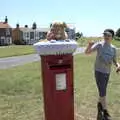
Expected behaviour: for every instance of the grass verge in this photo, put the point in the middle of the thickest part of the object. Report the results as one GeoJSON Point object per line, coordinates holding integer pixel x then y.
{"type": "Point", "coordinates": [17, 50]}
{"type": "Point", "coordinates": [21, 91]}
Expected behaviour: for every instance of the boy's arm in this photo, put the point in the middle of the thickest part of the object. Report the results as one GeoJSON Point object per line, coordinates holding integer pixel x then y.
{"type": "Point", "coordinates": [117, 65]}
{"type": "Point", "coordinates": [116, 62]}
{"type": "Point", "coordinates": [91, 47]}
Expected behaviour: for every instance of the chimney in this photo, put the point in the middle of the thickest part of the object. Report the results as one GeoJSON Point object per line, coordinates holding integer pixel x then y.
{"type": "Point", "coordinates": [17, 25]}
{"type": "Point", "coordinates": [6, 19]}
{"type": "Point", "coordinates": [26, 26]}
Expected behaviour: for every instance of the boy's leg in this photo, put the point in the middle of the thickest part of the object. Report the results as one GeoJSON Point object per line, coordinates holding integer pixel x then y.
{"type": "Point", "coordinates": [102, 81]}
{"type": "Point", "coordinates": [102, 100]}
{"type": "Point", "coordinates": [100, 114]}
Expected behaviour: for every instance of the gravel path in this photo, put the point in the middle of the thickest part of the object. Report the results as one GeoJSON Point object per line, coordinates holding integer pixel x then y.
{"type": "Point", "coordinates": [10, 62]}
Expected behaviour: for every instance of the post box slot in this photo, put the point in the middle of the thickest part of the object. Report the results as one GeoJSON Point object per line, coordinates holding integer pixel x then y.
{"type": "Point", "coordinates": [60, 66]}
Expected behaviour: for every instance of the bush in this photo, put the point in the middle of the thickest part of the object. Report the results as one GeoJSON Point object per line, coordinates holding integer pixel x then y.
{"type": "Point", "coordinates": [118, 33]}
{"type": "Point", "coordinates": [19, 42]}
{"type": "Point", "coordinates": [117, 38]}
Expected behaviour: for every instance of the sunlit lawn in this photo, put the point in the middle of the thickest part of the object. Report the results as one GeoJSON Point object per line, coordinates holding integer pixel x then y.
{"type": "Point", "coordinates": [21, 91]}
{"type": "Point", "coordinates": [16, 50]}
{"type": "Point", "coordinates": [84, 41]}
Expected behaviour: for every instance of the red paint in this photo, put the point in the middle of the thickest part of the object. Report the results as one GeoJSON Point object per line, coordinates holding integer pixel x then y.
{"type": "Point", "coordinates": [58, 105]}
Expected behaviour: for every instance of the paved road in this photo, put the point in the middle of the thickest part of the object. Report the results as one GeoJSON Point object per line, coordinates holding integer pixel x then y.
{"type": "Point", "coordinates": [15, 61]}
{"type": "Point", "coordinates": [10, 62]}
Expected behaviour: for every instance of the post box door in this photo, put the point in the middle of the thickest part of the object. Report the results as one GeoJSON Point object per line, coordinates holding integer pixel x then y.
{"type": "Point", "coordinates": [63, 95]}
{"type": "Point", "coordinates": [58, 89]}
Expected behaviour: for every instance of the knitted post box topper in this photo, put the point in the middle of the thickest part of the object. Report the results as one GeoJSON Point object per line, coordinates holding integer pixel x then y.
{"type": "Point", "coordinates": [57, 31]}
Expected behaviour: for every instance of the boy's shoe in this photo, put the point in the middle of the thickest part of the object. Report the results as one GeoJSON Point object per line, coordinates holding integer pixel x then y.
{"type": "Point", "coordinates": [107, 115]}
{"type": "Point", "coordinates": [100, 115]}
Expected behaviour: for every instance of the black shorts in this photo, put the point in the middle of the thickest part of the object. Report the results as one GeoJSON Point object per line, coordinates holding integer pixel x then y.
{"type": "Point", "coordinates": [102, 81]}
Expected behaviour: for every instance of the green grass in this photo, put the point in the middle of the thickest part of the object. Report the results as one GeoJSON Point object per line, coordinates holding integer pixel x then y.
{"type": "Point", "coordinates": [21, 91]}
{"type": "Point", "coordinates": [17, 50]}
{"type": "Point", "coordinates": [86, 92]}
{"type": "Point", "coordinates": [84, 41]}
{"type": "Point", "coordinates": [116, 43]}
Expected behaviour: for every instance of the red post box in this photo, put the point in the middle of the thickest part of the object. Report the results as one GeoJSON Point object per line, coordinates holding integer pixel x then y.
{"type": "Point", "coordinates": [57, 73]}
{"type": "Point", "coordinates": [57, 77]}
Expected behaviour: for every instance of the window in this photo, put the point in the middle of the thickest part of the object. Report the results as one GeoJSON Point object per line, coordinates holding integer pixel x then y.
{"type": "Point", "coordinates": [2, 37]}
{"type": "Point", "coordinates": [40, 35]}
{"type": "Point", "coordinates": [36, 34]}
{"type": "Point", "coordinates": [8, 40]}
{"type": "Point", "coordinates": [2, 40]}
{"type": "Point", "coordinates": [26, 35]}
{"type": "Point", "coordinates": [31, 35]}
{"type": "Point", "coordinates": [7, 31]}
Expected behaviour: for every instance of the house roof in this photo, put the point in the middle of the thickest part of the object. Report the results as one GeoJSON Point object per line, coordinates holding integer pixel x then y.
{"type": "Point", "coordinates": [43, 29]}
{"type": "Point", "coordinates": [4, 25]}
{"type": "Point", "coordinates": [31, 30]}
{"type": "Point", "coordinates": [26, 29]}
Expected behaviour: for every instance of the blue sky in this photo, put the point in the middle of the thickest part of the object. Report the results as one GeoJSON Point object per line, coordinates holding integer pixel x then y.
{"type": "Point", "coordinates": [89, 16]}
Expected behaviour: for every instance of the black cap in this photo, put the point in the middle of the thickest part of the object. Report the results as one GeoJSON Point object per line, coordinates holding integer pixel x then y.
{"type": "Point", "coordinates": [109, 31]}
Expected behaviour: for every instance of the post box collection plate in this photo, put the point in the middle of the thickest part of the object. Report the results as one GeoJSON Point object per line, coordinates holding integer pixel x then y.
{"type": "Point", "coordinates": [61, 81]}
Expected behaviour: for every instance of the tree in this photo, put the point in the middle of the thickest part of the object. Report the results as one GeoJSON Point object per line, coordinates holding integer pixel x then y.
{"type": "Point", "coordinates": [50, 25]}
{"type": "Point", "coordinates": [17, 25]}
{"type": "Point", "coordinates": [26, 26]}
{"type": "Point", "coordinates": [118, 33]}
{"type": "Point", "coordinates": [34, 26]}
{"type": "Point", "coordinates": [81, 34]}
{"type": "Point", "coordinates": [78, 35]}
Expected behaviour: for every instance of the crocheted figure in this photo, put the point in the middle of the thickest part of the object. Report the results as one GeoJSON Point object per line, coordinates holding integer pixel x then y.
{"type": "Point", "coordinates": [57, 31]}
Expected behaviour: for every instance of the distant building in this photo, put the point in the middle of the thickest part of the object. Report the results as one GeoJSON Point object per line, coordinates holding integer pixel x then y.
{"type": "Point", "coordinates": [27, 35]}
{"type": "Point", "coordinates": [70, 31]}
{"type": "Point", "coordinates": [5, 33]}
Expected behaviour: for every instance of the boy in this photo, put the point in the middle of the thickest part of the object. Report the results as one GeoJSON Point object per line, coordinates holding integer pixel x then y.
{"type": "Point", "coordinates": [106, 55]}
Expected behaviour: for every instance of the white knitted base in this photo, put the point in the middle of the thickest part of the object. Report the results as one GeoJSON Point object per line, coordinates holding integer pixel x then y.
{"type": "Point", "coordinates": [54, 47]}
